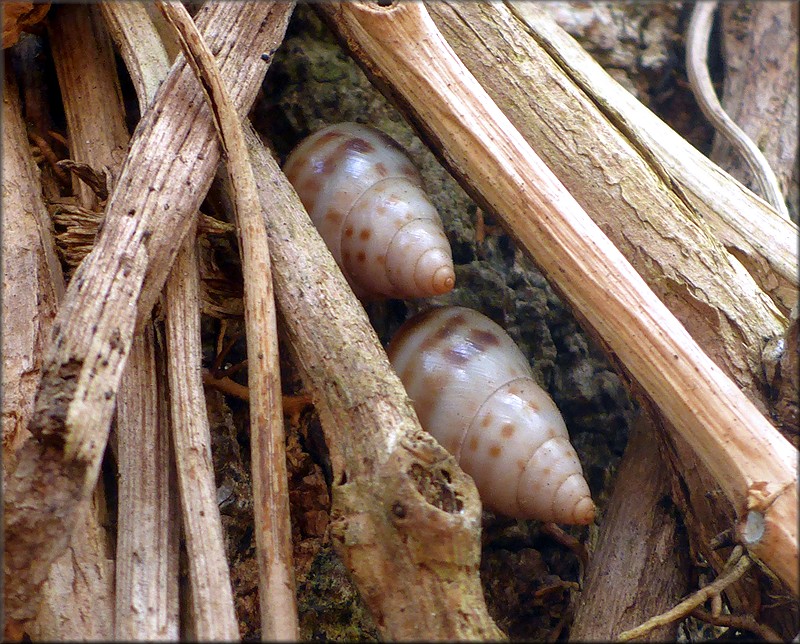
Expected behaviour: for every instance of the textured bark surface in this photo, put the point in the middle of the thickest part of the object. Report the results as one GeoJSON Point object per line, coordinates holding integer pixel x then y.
{"type": "Point", "coordinates": [212, 614]}
{"type": "Point", "coordinates": [118, 283]}
{"type": "Point", "coordinates": [640, 565]}
{"type": "Point", "coordinates": [148, 526]}
{"type": "Point", "coordinates": [76, 598]}
{"type": "Point", "coordinates": [759, 52]}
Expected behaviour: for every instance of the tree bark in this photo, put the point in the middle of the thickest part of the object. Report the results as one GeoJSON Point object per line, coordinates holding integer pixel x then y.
{"type": "Point", "coordinates": [759, 48]}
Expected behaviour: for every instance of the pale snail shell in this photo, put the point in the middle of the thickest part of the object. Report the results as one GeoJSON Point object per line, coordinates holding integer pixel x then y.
{"type": "Point", "coordinates": [366, 199]}
{"type": "Point", "coordinates": [474, 391]}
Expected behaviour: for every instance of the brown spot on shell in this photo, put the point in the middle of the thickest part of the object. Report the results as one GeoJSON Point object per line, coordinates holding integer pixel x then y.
{"type": "Point", "coordinates": [494, 450]}
{"type": "Point", "coordinates": [407, 329]}
{"type": "Point", "coordinates": [456, 356]}
{"type": "Point", "coordinates": [389, 141]}
{"type": "Point", "coordinates": [334, 216]}
{"type": "Point", "coordinates": [365, 234]}
{"type": "Point", "coordinates": [361, 257]}
{"type": "Point", "coordinates": [532, 406]}
{"type": "Point", "coordinates": [342, 151]}
{"type": "Point", "coordinates": [381, 169]}
{"type": "Point", "coordinates": [327, 137]}
{"type": "Point", "coordinates": [381, 259]}
{"type": "Point", "coordinates": [487, 420]}
{"type": "Point", "coordinates": [483, 339]}
{"type": "Point", "coordinates": [507, 431]}
{"type": "Point", "coordinates": [346, 256]}
{"type": "Point", "coordinates": [309, 188]}
{"type": "Point", "coordinates": [473, 443]}
{"type": "Point", "coordinates": [348, 232]}
{"type": "Point", "coordinates": [409, 171]}
{"type": "Point", "coordinates": [431, 388]}
{"type": "Point", "coordinates": [357, 144]}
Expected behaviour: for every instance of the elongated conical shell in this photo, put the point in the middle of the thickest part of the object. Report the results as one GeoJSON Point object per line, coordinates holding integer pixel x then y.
{"type": "Point", "coordinates": [473, 390]}
{"type": "Point", "coordinates": [367, 200]}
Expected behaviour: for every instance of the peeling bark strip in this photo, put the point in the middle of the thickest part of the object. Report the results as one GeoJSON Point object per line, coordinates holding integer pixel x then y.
{"type": "Point", "coordinates": [171, 163]}
{"type": "Point", "coordinates": [402, 49]}
{"type": "Point", "coordinates": [405, 519]}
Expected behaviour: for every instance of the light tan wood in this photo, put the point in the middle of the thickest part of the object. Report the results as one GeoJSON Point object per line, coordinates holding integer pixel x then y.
{"type": "Point", "coordinates": [401, 47]}
{"type": "Point", "coordinates": [147, 520]}
{"type": "Point", "coordinates": [212, 616]}
{"type": "Point", "coordinates": [146, 586]}
{"type": "Point", "coordinates": [268, 454]}
{"type": "Point", "coordinates": [646, 218]}
{"type": "Point", "coordinates": [168, 170]}
{"type": "Point", "coordinates": [81, 78]}
{"type": "Point", "coordinates": [404, 516]}
{"type": "Point", "coordinates": [140, 46]}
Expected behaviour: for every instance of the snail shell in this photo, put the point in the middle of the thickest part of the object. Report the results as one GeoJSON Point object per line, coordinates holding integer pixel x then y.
{"type": "Point", "coordinates": [474, 391]}
{"type": "Point", "coordinates": [366, 199]}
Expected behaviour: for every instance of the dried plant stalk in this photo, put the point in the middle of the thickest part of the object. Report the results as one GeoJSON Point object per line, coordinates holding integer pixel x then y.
{"type": "Point", "coordinates": [270, 481]}
{"type": "Point", "coordinates": [145, 58]}
{"type": "Point", "coordinates": [147, 538]}
{"type": "Point", "coordinates": [646, 217]}
{"type": "Point", "coordinates": [404, 515]}
{"type": "Point", "coordinates": [96, 128]}
{"type": "Point", "coordinates": [147, 527]}
{"type": "Point", "coordinates": [170, 166]}
{"type": "Point", "coordinates": [77, 598]}
{"type": "Point", "coordinates": [754, 465]}
{"type": "Point", "coordinates": [213, 615]}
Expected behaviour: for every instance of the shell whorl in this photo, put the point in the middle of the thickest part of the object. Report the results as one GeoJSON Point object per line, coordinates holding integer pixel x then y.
{"type": "Point", "coordinates": [367, 200]}
{"type": "Point", "coordinates": [473, 390]}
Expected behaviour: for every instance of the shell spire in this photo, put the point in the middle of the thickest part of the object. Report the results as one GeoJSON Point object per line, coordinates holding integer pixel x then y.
{"type": "Point", "coordinates": [473, 390]}
{"type": "Point", "coordinates": [367, 200]}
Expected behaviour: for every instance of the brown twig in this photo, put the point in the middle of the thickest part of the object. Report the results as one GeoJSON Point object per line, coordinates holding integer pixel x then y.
{"type": "Point", "coordinates": [226, 386]}
{"type": "Point", "coordinates": [270, 482]}
{"type": "Point", "coordinates": [739, 622]}
{"type": "Point", "coordinates": [52, 159]}
{"type": "Point", "coordinates": [738, 564]}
